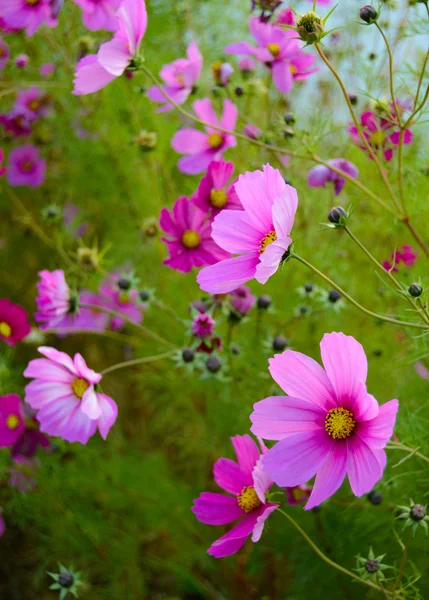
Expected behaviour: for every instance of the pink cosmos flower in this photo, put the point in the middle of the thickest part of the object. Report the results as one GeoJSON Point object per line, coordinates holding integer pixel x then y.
{"type": "Point", "coordinates": [122, 301]}
{"type": "Point", "coordinates": [246, 64]}
{"type": "Point", "coordinates": [252, 131]}
{"type": "Point", "coordinates": [279, 51]}
{"type": "Point", "coordinates": [202, 148]}
{"type": "Point", "coordinates": [180, 78]}
{"type": "Point", "coordinates": [214, 192]}
{"type": "Point", "coordinates": [247, 484]}
{"type": "Point", "coordinates": [25, 167]}
{"type": "Point", "coordinates": [382, 135]}
{"type": "Point", "coordinates": [320, 175]}
{"type": "Point", "coordinates": [329, 425]}
{"type": "Point", "coordinates": [242, 300]}
{"type": "Point", "coordinates": [203, 325]}
{"type": "Point", "coordinates": [407, 256]}
{"type": "Point", "coordinates": [2, 169]}
{"type": "Point", "coordinates": [95, 71]}
{"type": "Point", "coordinates": [21, 61]}
{"type": "Point", "coordinates": [260, 234]}
{"type": "Point", "coordinates": [87, 319]}
{"type": "Point", "coordinates": [4, 53]}
{"type": "Point", "coordinates": [99, 14]}
{"type": "Point", "coordinates": [16, 123]}
{"type": "Point", "coordinates": [27, 14]}
{"type": "Point", "coordinates": [53, 300]}
{"type": "Point", "coordinates": [11, 419]}
{"type": "Point", "coordinates": [298, 494]}
{"type": "Point", "coordinates": [222, 72]}
{"type": "Point", "coordinates": [286, 17]}
{"type": "Point", "coordinates": [190, 242]}
{"type": "Point", "coordinates": [47, 69]}
{"type": "Point", "coordinates": [33, 103]}
{"type": "Point", "coordinates": [64, 394]}
{"type": "Point", "coordinates": [14, 325]}
{"type": "Point", "coordinates": [30, 438]}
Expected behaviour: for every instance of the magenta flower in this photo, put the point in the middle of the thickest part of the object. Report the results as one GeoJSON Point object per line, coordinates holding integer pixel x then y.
{"type": "Point", "coordinates": [25, 167]}
{"type": "Point", "coordinates": [190, 242]}
{"type": "Point", "coordinates": [30, 438]}
{"type": "Point", "coordinates": [4, 53]}
{"type": "Point", "coordinates": [329, 424]}
{"type": "Point", "coordinates": [16, 123]}
{"type": "Point", "coordinates": [260, 234]}
{"type": "Point", "coordinates": [246, 64]}
{"type": "Point", "coordinates": [202, 148]}
{"type": "Point", "coordinates": [252, 131]}
{"type": "Point", "coordinates": [95, 71]}
{"type": "Point", "coordinates": [11, 419]}
{"type": "Point", "coordinates": [14, 325]}
{"type": "Point", "coordinates": [21, 61]}
{"type": "Point", "coordinates": [65, 395]}
{"type": "Point", "coordinates": [214, 192]}
{"type": "Point", "coordinates": [286, 17]}
{"type": "Point", "coordinates": [242, 300]}
{"type": "Point", "coordinates": [122, 301]}
{"type": "Point", "coordinates": [32, 103]}
{"type": "Point", "coordinates": [203, 325]}
{"type": "Point", "coordinates": [382, 135]}
{"type": "Point", "coordinates": [99, 14]}
{"type": "Point", "coordinates": [54, 300]}
{"type": "Point", "coordinates": [278, 50]}
{"type": "Point", "coordinates": [298, 494]}
{"type": "Point", "coordinates": [88, 319]}
{"type": "Point", "coordinates": [407, 256]}
{"type": "Point", "coordinates": [320, 175]}
{"type": "Point", "coordinates": [248, 484]}
{"type": "Point", "coordinates": [47, 69]}
{"type": "Point", "coordinates": [27, 14]}
{"type": "Point", "coordinates": [2, 169]}
{"type": "Point", "coordinates": [180, 78]}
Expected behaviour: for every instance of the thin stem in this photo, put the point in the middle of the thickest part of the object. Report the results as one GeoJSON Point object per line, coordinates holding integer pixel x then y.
{"type": "Point", "coordinates": [416, 235]}
{"type": "Point", "coordinates": [422, 74]}
{"type": "Point", "coordinates": [403, 561]}
{"type": "Point", "coordinates": [392, 92]}
{"type": "Point", "coordinates": [137, 361]}
{"type": "Point", "coordinates": [400, 166]}
{"type": "Point", "coordinates": [323, 556]}
{"type": "Point", "coordinates": [398, 446]}
{"type": "Point", "coordinates": [353, 301]}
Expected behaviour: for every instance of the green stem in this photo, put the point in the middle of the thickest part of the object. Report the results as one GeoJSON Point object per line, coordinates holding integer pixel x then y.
{"type": "Point", "coordinates": [353, 301]}
{"type": "Point", "coordinates": [403, 561]}
{"type": "Point", "coordinates": [398, 446]}
{"type": "Point", "coordinates": [392, 91]}
{"type": "Point", "coordinates": [137, 361]}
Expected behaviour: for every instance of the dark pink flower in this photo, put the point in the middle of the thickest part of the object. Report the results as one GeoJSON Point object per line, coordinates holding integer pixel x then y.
{"type": "Point", "coordinates": [21, 61]}
{"type": "Point", "coordinates": [286, 17]}
{"type": "Point", "coordinates": [190, 243]}
{"type": "Point", "coordinates": [11, 419]}
{"type": "Point", "coordinates": [33, 103]}
{"type": "Point", "coordinates": [122, 301]}
{"type": "Point", "coordinates": [27, 14]}
{"type": "Point", "coordinates": [242, 300]}
{"type": "Point", "coordinates": [54, 300]}
{"type": "Point", "coordinates": [202, 148]}
{"type": "Point", "coordinates": [26, 167]}
{"type": "Point", "coordinates": [203, 325]}
{"type": "Point", "coordinates": [407, 256]}
{"type": "Point", "coordinates": [320, 175]}
{"type": "Point", "coordinates": [4, 53]}
{"type": "Point", "coordinates": [214, 192]}
{"type": "Point", "coordinates": [247, 485]}
{"type": "Point", "coordinates": [14, 325]}
{"type": "Point", "coordinates": [30, 439]}
{"type": "Point", "coordinates": [99, 14]}
{"type": "Point", "coordinates": [16, 123]}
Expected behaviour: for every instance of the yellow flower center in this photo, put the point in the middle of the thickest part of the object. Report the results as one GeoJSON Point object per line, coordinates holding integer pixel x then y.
{"type": "Point", "coordinates": [32, 2]}
{"type": "Point", "coordinates": [248, 499]}
{"type": "Point", "coordinates": [267, 240]}
{"type": "Point", "coordinates": [124, 297]}
{"type": "Point", "coordinates": [215, 140]}
{"type": "Point", "coordinates": [79, 387]}
{"type": "Point", "coordinates": [218, 198]}
{"type": "Point", "coordinates": [377, 138]}
{"type": "Point", "coordinates": [298, 494]}
{"type": "Point", "coordinates": [12, 422]}
{"type": "Point", "coordinates": [274, 49]}
{"type": "Point", "coordinates": [339, 423]}
{"type": "Point", "coordinates": [293, 69]}
{"type": "Point", "coordinates": [5, 329]}
{"type": "Point", "coordinates": [26, 166]}
{"type": "Point", "coordinates": [217, 71]}
{"type": "Point", "coordinates": [180, 80]}
{"type": "Point", "coordinates": [191, 239]}
{"type": "Point", "coordinates": [2, 52]}
{"type": "Point", "coordinates": [34, 105]}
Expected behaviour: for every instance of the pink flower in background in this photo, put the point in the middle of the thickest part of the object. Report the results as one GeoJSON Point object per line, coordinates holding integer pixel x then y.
{"type": "Point", "coordinates": [214, 192]}
{"type": "Point", "coordinates": [252, 131]}
{"type": "Point", "coordinates": [222, 71]}
{"type": "Point", "coordinates": [16, 123]}
{"type": "Point", "coordinates": [27, 14]}
{"type": "Point", "coordinates": [95, 71]}
{"type": "Point", "coordinates": [88, 319]}
{"type": "Point", "coordinates": [246, 64]}
{"type": "Point", "coordinates": [286, 17]}
{"type": "Point", "coordinates": [21, 61]}
{"type": "Point", "coordinates": [14, 325]}
{"type": "Point", "coordinates": [65, 396]}
{"type": "Point", "coordinates": [4, 54]}
{"type": "Point", "coordinates": [33, 103]}
{"type": "Point", "coordinates": [247, 484]}
{"type": "Point", "coordinates": [122, 301]}
{"type": "Point", "coordinates": [2, 169]}
{"type": "Point", "coordinates": [47, 69]}
{"type": "Point", "coordinates": [202, 148]}
{"type": "Point", "coordinates": [382, 135]}
{"type": "Point", "coordinates": [180, 77]}
{"type": "Point", "coordinates": [407, 256]}
{"type": "Point", "coordinates": [242, 300]}
{"type": "Point", "coordinates": [298, 494]}
{"type": "Point", "coordinates": [279, 50]}
{"type": "Point", "coordinates": [99, 14]}
{"type": "Point", "coordinates": [329, 424]}
{"type": "Point", "coordinates": [190, 243]}
{"type": "Point", "coordinates": [260, 234]}
{"type": "Point", "coordinates": [26, 167]}
{"type": "Point", "coordinates": [54, 300]}
{"type": "Point", "coordinates": [320, 175]}
{"type": "Point", "coordinates": [421, 370]}
{"type": "Point", "coordinates": [11, 419]}
{"type": "Point", "coordinates": [30, 438]}
{"type": "Point", "coordinates": [203, 325]}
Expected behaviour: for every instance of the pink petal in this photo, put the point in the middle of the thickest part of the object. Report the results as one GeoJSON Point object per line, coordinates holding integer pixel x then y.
{"type": "Point", "coordinates": [378, 431]}
{"type": "Point", "coordinates": [39, 393]}
{"type": "Point", "coordinates": [216, 509]}
{"type": "Point", "coordinates": [229, 115]}
{"type": "Point", "coordinates": [259, 527]}
{"type": "Point", "coordinates": [230, 477]}
{"type": "Point", "coordinates": [318, 176]}
{"type": "Point", "coordinates": [59, 357]}
{"type": "Point", "coordinates": [282, 76]}
{"type": "Point", "coordinates": [79, 428]}
{"type": "Point", "coordinates": [89, 404]}
{"type": "Point", "coordinates": [364, 468]}
{"type": "Point", "coordinates": [232, 541]}
{"type": "Point", "coordinates": [114, 56]}
{"type": "Point", "coordinates": [284, 209]}
{"type": "Point", "coordinates": [195, 163]}
{"type": "Point", "coordinates": [330, 476]}
{"type": "Point", "coordinates": [84, 371]}
{"type": "Point", "coordinates": [240, 48]}
{"type": "Point", "coordinates": [189, 141]}
{"type": "Point", "coordinates": [90, 76]}
{"type": "Point", "coordinates": [261, 480]}
{"type": "Point", "coordinates": [233, 231]}
{"type": "Point", "coordinates": [133, 17]}
{"type": "Point", "coordinates": [270, 259]}
{"type": "Point", "coordinates": [205, 111]}
{"type": "Point", "coordinates": [229, 274]}
{"type": "Point", "coordinates": [247, 453]}
{"type": "Point", "coordinates": [42, 368]}
{"type": "Point", "coordinates": [109, 414]}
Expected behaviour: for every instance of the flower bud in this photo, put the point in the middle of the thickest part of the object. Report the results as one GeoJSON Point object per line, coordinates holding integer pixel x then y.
{"type": "Point", "coordinates": [239, 91]}
{"type": "Point", "coordinates": [372, 565]}
{"type": "Point", "coordinates": [308, 287]}
{"type": "Point", "coordinates": [353, 99]}
{"type": "Point", "coordinates": [144, 296]}
{"type": "Point", "coordinates": [417, 512]}
{"type": "Point", "coordinates": [368, 14]}
{"type": "Point", "coordinates": [235, 350]}
{"type": "Point", "coordinates": [66, 580]}
{"type": "Point", "coordinates": [334, 296]}
{"type": "Point", "coordinates": [188, 355]}
{"type": "Point", "coordinates": [375, 497]}
{"type": "Point", "coordinates": [263, 302]}
{"type": "Point", "coordinates": [280, 343]}
{"type": "Point", "coordinates": [336, 215]}
{"type": "Point", "coordinates": [289, 118]}
{"type": "Point", "coordinates": [213, 364]}
{"type": "Point", "coordinates": [415, 290]}
{"type": "Point", "coordinates": [124, 283]}
{"type": "Point", "coordinates": [310, 27]}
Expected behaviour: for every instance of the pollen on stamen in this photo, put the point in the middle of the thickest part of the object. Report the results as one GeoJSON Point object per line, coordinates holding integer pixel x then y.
{"type": "Point", "coordinates": [248, 499]}
{"type": "Point", "coordinates": [79, 387]}
{"type": "Point", "coordinates": [339, 423]}
{"type": "Point", "coordinates": [267, 240]}
{"type": "Point", "coordinates": [218, 198]}
{"type": "Point", "coordinates": [215, 140]}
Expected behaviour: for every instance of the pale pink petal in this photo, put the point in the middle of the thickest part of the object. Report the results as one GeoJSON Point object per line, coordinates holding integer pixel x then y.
{"type": "Point", "coordinates": [38, 393]}
{"type": "Point", "coordinates": [364, 468]}
{"type": "Point", "coordinates": [189, 141]}
{"type": "Point", "coordinates": [284, 210]}
{"type": "Point", "coordinates": [133, 17]}
{"type": "Point", "coordinates": [261, 480]}
{"type": "Point", "coordinates": [114, 56]}
{"type": "Point", "coordinates": [240, 48]}
{"type": "Point", "coordinates": [216, 509]}
{"type": "Point", "coordinates": [59, 357]}
{"type": "Point", "coordinates": [330, 476]}
{"type": "Point", "coordinates": [229, 476]}
{"type": "Point", "coordinates": [109, 414]}
{"type": "Point", "coordinates": [89, 404]}
{"type": "Point", "coordinates": [282, 76]}
{"type": "Point", "coordinates": [205, 111]}
{"type": "Point", "coordinates": [195, 163]}
{"type": "Point", "coordinates": [233, 231]}
{"type": "Point", "coordinates": [378, 431]}
{"type": "Point", "coordinates": [90, 76]}
{"type": "Point", "coordinates": [78, 428]}
{"type": "Point", "coordinates": [270, 259]}
{"type": "Point", "coordinates": [84, 371]}
{"type": "Point", "coordinates": [45, 369]}
{"type": "Point", "coordinates": [260, 522]}
{"type": "Point", "coordinates": [229, 115]}
{"type": "Point", "coordinates": [229, 274]}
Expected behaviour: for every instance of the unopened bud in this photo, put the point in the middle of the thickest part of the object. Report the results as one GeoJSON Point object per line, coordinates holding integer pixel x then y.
{"type": "Point", "coordinates": [368, 14]}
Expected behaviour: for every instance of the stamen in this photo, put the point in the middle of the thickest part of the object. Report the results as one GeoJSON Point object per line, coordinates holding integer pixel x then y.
{"type": "Point", "coordinates": [79, 387]}
{"type": "Point", "coordinates": [267, 240]}
{"type": "Point", "coordinates": [274, 49]}
{"type": "Point", "coordinates": [218, 198]}
{"type": "Point", "coordinates": [191, 239]}
{"type": "Point", "coordinates": [215, 140]}
{"type": "Point", "coordinates": [339, 423]}
{"type": "Point", "coordinates": [5, 329]}
{"type": "Point", "coordinates": [248, 499]}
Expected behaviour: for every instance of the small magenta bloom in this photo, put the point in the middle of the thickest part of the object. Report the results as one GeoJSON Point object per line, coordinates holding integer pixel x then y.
{"type": "Point", "coordinates": [14, 325]}
{"type": "Point", "coordinates": [202, 148]}
{"type": "Point", "coordinates": [2, 169]}
{"type": "Point", "coordinates": [203, 325]}
{"type": "Point", "coordinates": [11, 419]}
{"type": "Point", "coordinates": [407, 256]}
{"type": "Point", "coordinates": [122, 301]}
{"type": "Point", "coordinates": [214, 192]}
{"type": "Point", "coordinates": [4, 53]}
{"type": "Point", "coordinates": [54, 300]}
{"type": "Point", "coordinates": [95, 71]}
{"type": "Point", "coordinates": [30, 439]}
{"type": "Point", "coordinates": [329, 424]}
{"type": "Point", "coordinates": [298, 494]}
{"type": "Point", "coordinates": [320, 175]}
{"type": "Point", "coordinates": [99, 14]}
{"type": "Point", "coordinates": [286, 17]}
{"type": "Point", "coordinates": [242, 300]}
{"type": "Point", "coordinates": [33, 103]}
{"type": "Point", "coordinates": [252, 131]}
{"type": "Point", "coordinates": [180, 78]}
{"type": "Point", "coordinates": [246, 64]}
{"type": "Point", "coordinates": [26, 167]}
{"type": "Point", "coordinates": [21, 61]}
{"type": "Point", "coordinates": [27, 14]}
{"type": "Point", "coordinates": [47, 69]}
{"type": "Point", "coordinates": [247, 484]}
{"type": "Point", "coordinates": [260, 234]}
{"type": "Point", "coordinates": [16, 123]}
{"type": "Point", "coordinates": [65, 395]}
{"type": "Point", "coordinates": [190, 242]}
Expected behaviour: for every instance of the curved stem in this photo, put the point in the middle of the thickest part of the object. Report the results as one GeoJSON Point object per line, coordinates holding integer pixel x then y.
{"type": "Point", "coordinates": [137, 361]}
{"type": "Point", "coordinates": [353, 301]}
{"type": "Point", "coordinates": [399, 446]}
{"type": "Point", "coordinates": [392, 92]}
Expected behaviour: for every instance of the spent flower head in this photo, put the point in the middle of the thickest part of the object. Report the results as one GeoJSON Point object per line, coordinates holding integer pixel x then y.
{"type": "Point", "coordinates": [371, 567]}
{"type": "Point", "coordinates": [415, 516]}
{"type": "Point", "coordinates": [67, 581]}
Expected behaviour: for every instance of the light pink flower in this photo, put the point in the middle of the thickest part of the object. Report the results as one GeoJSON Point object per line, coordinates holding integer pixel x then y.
{"type": "Point", "coordinates": [95, 71]}
{"type": "Point", "coordinates": [11, 419]}
{"type": "Point", "coordinates": [203, 325]}
{"type": "Point", "coordinates": [27, 14]}
{"type": "Point", "coordinates": [215, 192]}
{"type": "Point", "coordinates": [14, 325]}
{"type": "Point", "coordinates": [247, 484]}
{"type": "Point", "coordinates": [53, 300]}
{"type": "Point", "coordinates": [21, 61]}
{"type": "Point", "coordinates": [190, 242]}
{"type": "Point", "coordinates": [26, 167]}
{"type": "Point", "coordinates": [246, 64]}
{"type": "Point", "coordinates": [47, 69]}
{"type": "Point", "coordinates": [329, 424]}
{"type": "Point", "coordinates": [4, 53]}
{"type": "Point", "coordinates": [242, 300]}
{"type": "Point", "coordinates": [65, 395]}
{"type": "Point", "coordinates": [260, 234]}
{"type": "Point", "coordinates": [320, 175]}
{"type": "Point", "coordinates": [180, 77]}
{"type": "Point", "coordinates": [33, 103]}
{"type": "Point", "coordinates": [99, 14]}
{"type": "Point", "coordinates": [252, 131]}
{"type": "Point", "coordinates": [202, 148]}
